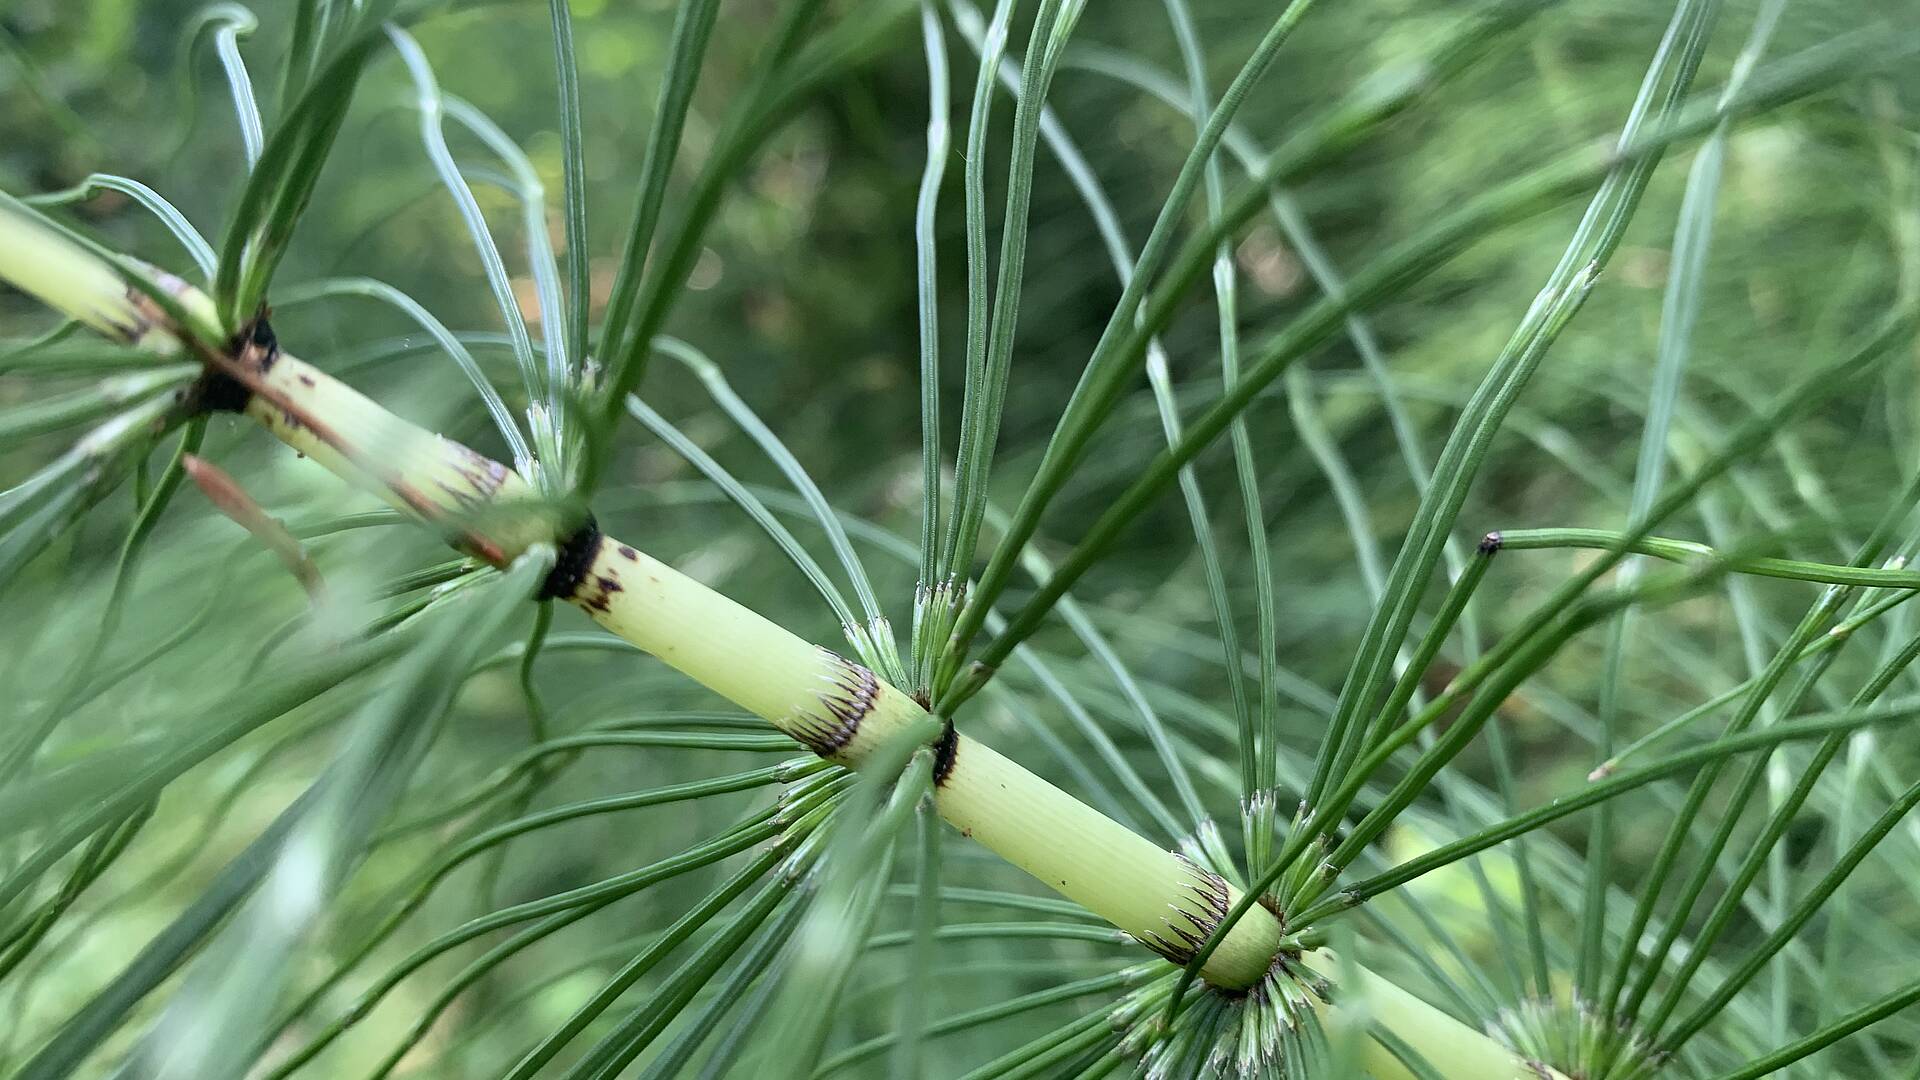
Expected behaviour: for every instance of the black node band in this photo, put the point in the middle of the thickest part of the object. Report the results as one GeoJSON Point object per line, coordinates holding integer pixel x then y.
{"type": "Point", "coordinates": [944, 750]}
{"type": "Point", "coordinates": [575, 558]}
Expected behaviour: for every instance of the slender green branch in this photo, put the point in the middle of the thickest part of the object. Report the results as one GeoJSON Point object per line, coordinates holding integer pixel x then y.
{"type": "Point", "coordinates": [1861, 1018]}
{"type": "Point", "coordinates": [1688, 551]}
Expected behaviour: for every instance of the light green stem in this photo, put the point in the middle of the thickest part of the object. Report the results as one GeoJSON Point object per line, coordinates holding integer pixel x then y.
{"type": "Point", "coordinates": [1453, 1049]}
{"type": "Point", "coordinates": [837, 707]}
{"type": "Point", "coordinates": [843, 711]}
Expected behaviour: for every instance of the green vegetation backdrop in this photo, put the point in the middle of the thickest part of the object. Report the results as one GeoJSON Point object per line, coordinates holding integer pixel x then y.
{"type": "Point", "coordinates": [1756, 256]}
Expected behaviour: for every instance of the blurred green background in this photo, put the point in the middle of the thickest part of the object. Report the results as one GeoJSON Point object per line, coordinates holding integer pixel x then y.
{"type": "Point", "coordinates": [805, 294]}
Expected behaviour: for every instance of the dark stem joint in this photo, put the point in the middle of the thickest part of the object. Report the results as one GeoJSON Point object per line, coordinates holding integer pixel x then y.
{"type": "Point", "coordinates": [256, 345]}
{"type": "Point", "coordinates": [944, 749]}
{"type": "Point", "coordinates": [254, 349]}
{"type": "Point", "coordinates": [574, 559]}
{"type": "Point", "coordinates": [216, 391]}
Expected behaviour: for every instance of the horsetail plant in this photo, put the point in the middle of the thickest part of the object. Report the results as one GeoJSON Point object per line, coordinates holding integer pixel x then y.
{"type": "Point", "coordinates": [1389, 902]}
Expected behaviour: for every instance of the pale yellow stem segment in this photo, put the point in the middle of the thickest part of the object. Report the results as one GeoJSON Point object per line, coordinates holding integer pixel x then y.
{"type": "Point", "coordinates": [81, 285]}
{"type": "Point", "coordinates": [737, 653]}
{"type": "Point", "coordinates": [810, 693]}
{"type": "Point", "coordinates": [1168, 903]}
{"type": "Point", "coordinates": [430, 476]}
{"type": "Point", "coordinates": [1451, 1047]}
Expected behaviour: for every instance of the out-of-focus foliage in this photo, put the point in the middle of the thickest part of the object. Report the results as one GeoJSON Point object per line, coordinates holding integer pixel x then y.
{"type": "Point", "coordinates": [805, 294]}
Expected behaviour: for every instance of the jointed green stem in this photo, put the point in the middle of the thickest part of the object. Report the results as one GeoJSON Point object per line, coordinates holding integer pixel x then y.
{"type": "Point", "coordinates": [1685, 551]}
{"type": "Point", "coordinates": [840, 709]}
{"type": "Point", "coordinates": [1827, 1036]}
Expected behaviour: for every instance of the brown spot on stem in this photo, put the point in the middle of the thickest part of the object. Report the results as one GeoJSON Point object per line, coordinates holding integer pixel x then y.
{"type": "Point", "coordinates": [629, 554]}
{"type": "Point", "coordinates": [144, 310]}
